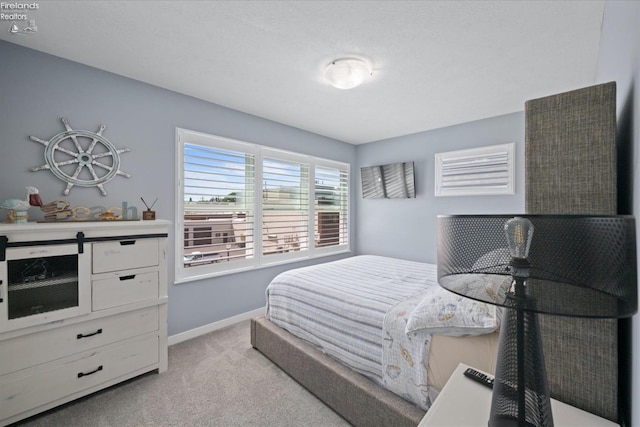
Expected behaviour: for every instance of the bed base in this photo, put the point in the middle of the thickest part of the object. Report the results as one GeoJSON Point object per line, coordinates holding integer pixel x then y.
{"type": "Point", "coordinates": [357, 399]}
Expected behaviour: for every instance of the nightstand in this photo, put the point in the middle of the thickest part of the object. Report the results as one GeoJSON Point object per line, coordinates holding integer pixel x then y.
{"type": "Point", "coordinates": [463, 402]}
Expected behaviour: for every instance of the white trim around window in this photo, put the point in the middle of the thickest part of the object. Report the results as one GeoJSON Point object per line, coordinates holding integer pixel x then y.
{"type": "Point", "coordinates": [241, 206]}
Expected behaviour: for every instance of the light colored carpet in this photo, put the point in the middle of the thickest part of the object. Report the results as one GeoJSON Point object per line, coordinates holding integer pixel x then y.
{"type": "Point", "coordinates": [217, 379]}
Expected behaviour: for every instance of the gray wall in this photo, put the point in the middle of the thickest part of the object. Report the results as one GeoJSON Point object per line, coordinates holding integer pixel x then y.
{"type": "Point", "coordinates": [406, 228]}
{"type": "Point", "coordinates": [619, 61]}
{"type": "Point", "coordinates": [38, 89]}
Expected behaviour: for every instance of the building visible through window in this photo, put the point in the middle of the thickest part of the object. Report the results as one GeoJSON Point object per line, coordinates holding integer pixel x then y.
{"type": "Point", "coordinates": [232, 191]}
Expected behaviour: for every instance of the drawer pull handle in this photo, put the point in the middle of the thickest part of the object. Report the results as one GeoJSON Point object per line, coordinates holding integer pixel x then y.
{"type": "Point", "coordinates": [133, 276]}
{"type": "Point", "coordinates": [82, 374]}
{"type": "Point", "coordinates": [127, 242]}
{"type": "Point", "coordinates": [80, 336]}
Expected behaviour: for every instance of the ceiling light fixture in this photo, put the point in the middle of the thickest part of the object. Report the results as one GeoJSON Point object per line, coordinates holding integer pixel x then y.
{"type": "Point", "coordinates": [347, 73]}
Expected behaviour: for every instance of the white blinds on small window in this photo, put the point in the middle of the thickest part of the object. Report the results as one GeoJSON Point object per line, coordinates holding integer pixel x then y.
{"type": "Point", "coordinates": [478, 171]}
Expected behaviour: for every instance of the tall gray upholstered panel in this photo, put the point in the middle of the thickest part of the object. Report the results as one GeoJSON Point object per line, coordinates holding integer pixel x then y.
{"type": "Point", "coordinates": [570, 168]}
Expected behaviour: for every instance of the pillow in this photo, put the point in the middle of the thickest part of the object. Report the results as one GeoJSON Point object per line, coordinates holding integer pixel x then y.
{"type": "Point", "coordinates": [442, 312]}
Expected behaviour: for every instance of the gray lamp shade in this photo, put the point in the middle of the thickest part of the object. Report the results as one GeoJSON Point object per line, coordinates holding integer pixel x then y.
{"type": "Point", "coordinates": [579, 266]}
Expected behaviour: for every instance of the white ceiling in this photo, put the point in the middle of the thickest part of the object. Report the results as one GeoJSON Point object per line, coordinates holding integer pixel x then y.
{"type": "Point", "coordinates": [436, 63]}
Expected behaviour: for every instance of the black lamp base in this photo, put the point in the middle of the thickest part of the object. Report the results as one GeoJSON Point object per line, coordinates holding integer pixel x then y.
{"type": "Point", "coordinates": [520, 391]}
{"type": "Point", "coordinates": [507, 421]}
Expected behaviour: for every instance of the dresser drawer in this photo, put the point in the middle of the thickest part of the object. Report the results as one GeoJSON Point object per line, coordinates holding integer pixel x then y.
{"type": "Point", "coordinates": [125, 289]}
{"type": "Point", "coordinates": [125, 254]}
{"type": "Point", "coordinates": [59, 379]}
{"type": "Point", "coordinates": [33, 349]}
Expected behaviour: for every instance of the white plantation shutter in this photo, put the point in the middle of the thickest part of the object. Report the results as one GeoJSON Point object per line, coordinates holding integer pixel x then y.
{"type": "Point", "coordinates": [285, 206]}
{"type": "Point", "coordinates": [479, 171]}
{"type": "Point", "coordinates": [218, 204]}
{"type": "Point", "coordinates": [331, 206]}
{"type": "Point", "coordinates": [240, 206]}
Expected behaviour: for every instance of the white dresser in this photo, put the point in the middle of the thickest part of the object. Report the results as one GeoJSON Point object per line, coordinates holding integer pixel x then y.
{"type": "Point", "coordinates": [83, 306]}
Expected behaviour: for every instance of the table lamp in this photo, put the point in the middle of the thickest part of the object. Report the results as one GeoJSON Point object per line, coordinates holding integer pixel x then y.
{"type": "Point", "coordinates": [569, 265]}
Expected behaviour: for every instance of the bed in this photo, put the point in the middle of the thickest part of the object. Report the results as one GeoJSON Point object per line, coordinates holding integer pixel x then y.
{"type": "Point", "coordinates": [374, 337]}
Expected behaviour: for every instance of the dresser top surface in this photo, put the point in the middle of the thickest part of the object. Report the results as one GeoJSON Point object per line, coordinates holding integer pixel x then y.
{"type": "Point", "coordinates": [31, 231]}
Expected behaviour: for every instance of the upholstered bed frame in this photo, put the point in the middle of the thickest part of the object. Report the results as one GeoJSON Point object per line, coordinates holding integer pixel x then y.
{"type": "Point", "coordinates": [570, 169]}
{"type": "Point", "coordinates": [358, 399]}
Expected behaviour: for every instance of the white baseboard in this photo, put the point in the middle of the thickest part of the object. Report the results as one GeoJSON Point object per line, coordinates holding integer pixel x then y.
{"type": "Point", "coordinates": [193, 333]}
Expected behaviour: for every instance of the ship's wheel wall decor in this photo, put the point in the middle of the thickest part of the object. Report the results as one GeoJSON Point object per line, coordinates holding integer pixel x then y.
{"type": "Point", "coordinates": [81, 157]}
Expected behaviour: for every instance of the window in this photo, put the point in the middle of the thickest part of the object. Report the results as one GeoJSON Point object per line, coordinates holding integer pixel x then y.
{"type": "Point", "coordinates": [330, 201]}
{"type": "Point", "coordinates": [241, 206]}
{"type": "Point", "coordinates": [476, 171]}
{"type": "Point", "coordinates": [285, 206]}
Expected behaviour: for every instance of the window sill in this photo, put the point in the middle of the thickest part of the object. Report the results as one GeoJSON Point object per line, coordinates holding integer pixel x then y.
{"type": "Point", "coordinates": [245, 269]}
